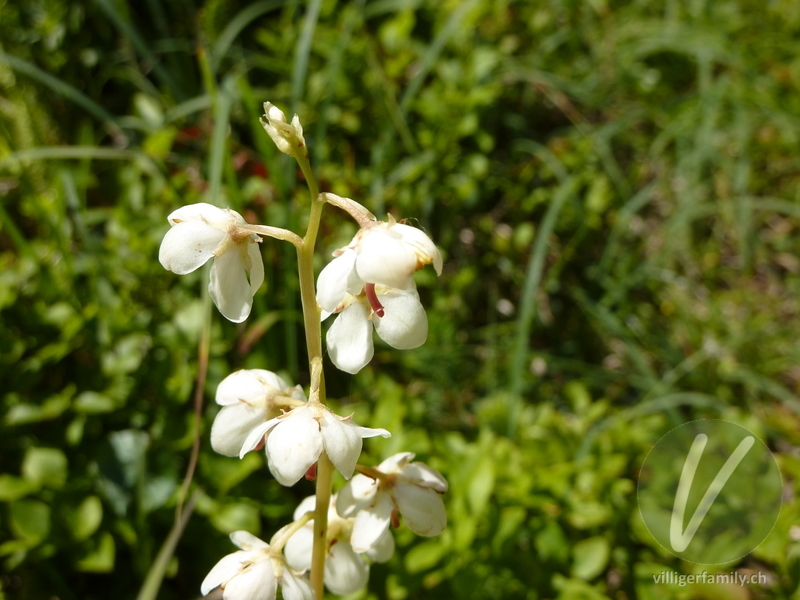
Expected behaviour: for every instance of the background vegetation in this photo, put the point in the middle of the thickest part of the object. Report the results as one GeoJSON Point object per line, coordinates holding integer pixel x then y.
{"type": "Point", "coordinates": [613, 184]}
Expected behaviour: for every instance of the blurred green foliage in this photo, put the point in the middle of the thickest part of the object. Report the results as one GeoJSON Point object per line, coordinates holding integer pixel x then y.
{"type": "Point", "coordinates": [614, 186]}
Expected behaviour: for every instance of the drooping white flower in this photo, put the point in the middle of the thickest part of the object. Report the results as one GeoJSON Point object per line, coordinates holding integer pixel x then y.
{"type": "Point", "coordinates": [254, 572]}
{"type": "Point", "coordinates": [345, 570]}
{"type": "Point", "coordinates": [295, 440]}
{"type": "Point", "coordinates": [412, 488]}
{"type": "Point", "coordinates": [248, 397]}
{"type": "Point", "coordinates": [288, 137]}
{"type": "Point", "coordinates": [397, 316]}
{"type": "Point", "coordinates": [387, 253]}
{"type": "Point", "coordinates": [201, 231]}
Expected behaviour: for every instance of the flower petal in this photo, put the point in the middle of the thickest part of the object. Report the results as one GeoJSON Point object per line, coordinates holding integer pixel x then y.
{"type": "Point", "coordinates": [250, 386]}
{"type": "Point", "coordinates": [256, 266]}
{"type": "Point", "coordinates": [371, 523]}
{"type": "Point", "coordinates": [345, 571]}
{"type": "Point", "coordinates": [232, 425]}
{"type": "Point", "coordinates": [188, 246]}
{"type": "Point", "coordinates": [404, 324]}
{"type": "Point", "coordinates": [383, 548]}
{"type": "Point", "coordinates": [222, 572]}
{"type": "Point", "coordinates": [298, 549]}
{"type": "Point", "coordinates": [385, 259]}
{"type": "Point", "coordinates": [426, 250]}
{"type": "Point", "coordinates": [293, 446]}
{"type": "Point", "coordinates": [336, 280]}
{"type": "Point", "coordinates": [296, 588]}
{"type": "Point", "coordinates": [229, 288]}
{"type": "Point", "coordinates": [357, 494]}
{"type": "Point", "coordinates": [256, 436]}
{"type": "Point", "coordinates": [396, 462]}
{"type": "Point", "coordinates": [257, 582]}
{"type": "Point", "coordinates": [247, 541]}
{"type": "Point", "coordinates": [422, 509]}
{"type": "Point", "coordinates": [424, 476]}
{"type": "Point", "coordinates": [342, 439]}
{"type": "Point", "coordinates": [350, 339]}
{"type": "Point", "coordinates": [202, 211]}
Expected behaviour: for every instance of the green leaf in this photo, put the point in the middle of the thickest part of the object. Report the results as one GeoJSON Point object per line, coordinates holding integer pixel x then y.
{"type": "Point", "coordinates": [424, 556]}
{"type": "Point", "coordinates": [13, 488]}
{"type": "Point", "coordinates": [233, 517]}
{"type": "Point", "coordinates": [101, 558]}
{"type": "Point", "coordinates": [481, 485]}
{"type": "Point", "coordinates": [86, 518]}
{"type": "Point", "coordinates": [30, 520]}
{"type": "Point", "coordinates": [93, 403]}
{"type": "Point", "coordinates": [590, 557]}
{"type": "Point", "coordinates": [46, 467]}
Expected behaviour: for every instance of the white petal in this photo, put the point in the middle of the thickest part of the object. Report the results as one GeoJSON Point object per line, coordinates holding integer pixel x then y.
{"type": "Point", "coordinates": [254, 438]}
{"type": "Point", "coordinates": [357, 494]}
{"type": "Point", "coordinates": [422, 509]}
{"type": "Point", "coordinates": [383, 548]}
{"type": "Point", "coordinates": [296, 588]}
{"type": "Point", "coordinates": [256, 266]}
{"type": "Point", "coordinates": [424, 476]}
{"type": "Point", "coordinates": [307, 505]}
{"type": "Point", "coordinates": [298, 549]}
{"type": "Point", "coordinates": [257, 582]}
{"type": "Point", "coordinates": [249, 385]}
{"type": "Point", "coordinates": [342, 439]}
{"type": "Point", "coordinates": [232, 425]}
{"type": "Point", "coordinates": [385, 259]}
{"type": "Point", "coordinates": [342, 443]}
{"type": "Point", "coordinates": [345, 571]}
{"type": "Point", "coordinates": [404, 324]}
{"type": "Point", "coordinates": [336, 280]}
{"type": "Point", "coordinates": [350, 339]}
{"type": "Point", "coordinates": [426, 250]}
{"type": "Point", "coordinates": [371, 523]}
{"type": "Point", "coordinates": [227, 568]}
{"type": "Point", "coordinates": [201, 211]}
{"type": "Point", "coordinates": [247, 541]}
{"type": "Point", "coordinates": [396, 462]}
{"type": "Point", "coordinates": [229, 287]}
{"type": "Point", "coordinates": [293, 446]}
{"type": "Point", "coordinates": [188, 246]}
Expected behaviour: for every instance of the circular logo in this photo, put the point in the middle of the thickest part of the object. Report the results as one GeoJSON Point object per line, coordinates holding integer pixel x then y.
{"type": "Point", "coordinates": [710, 491]}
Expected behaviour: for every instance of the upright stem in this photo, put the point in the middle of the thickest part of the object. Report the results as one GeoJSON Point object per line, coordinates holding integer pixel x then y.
{"type": "Point", "coordinates": [308, 297]}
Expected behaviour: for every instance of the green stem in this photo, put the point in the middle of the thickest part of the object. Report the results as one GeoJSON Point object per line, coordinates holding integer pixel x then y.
{"type": "Point", "coordinates": [308, 297]}
{"type": "Point", "coordinates": [323, 500]}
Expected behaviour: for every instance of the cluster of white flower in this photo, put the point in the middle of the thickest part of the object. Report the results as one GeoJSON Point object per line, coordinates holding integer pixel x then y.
{"type": "Point", "coordinates": [369, 285]}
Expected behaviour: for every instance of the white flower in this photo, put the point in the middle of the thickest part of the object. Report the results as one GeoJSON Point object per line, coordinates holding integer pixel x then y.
{"type": "Point", "coordinates": [295, 440]}
{"type": "Point", "coordinates": [287, 137]}
{"type": "Point", "coordinates": [200, 231]}
{"type": "Point", "coordinates": [345, 570]}
{"type": "Point", "coordinates": [253, 573]}
{"type": "Point", "coordinates": [386, 253]}
{"type": "Point", "coordinates": [248, 398]}
{"type": "Point", "coordinates": [396, 315]}
{"type": "Point", "coordinates": [413, 489]}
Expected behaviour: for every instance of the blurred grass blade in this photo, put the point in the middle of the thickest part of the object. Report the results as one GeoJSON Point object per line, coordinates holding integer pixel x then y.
{"type": "Point", "coordinates": [64, 89]}
{"type": "Point", "coordinates": [433, 52]}
{"type": "Point", "coordinates": [219, 138]}
{"type": "Point", "coordinates": [533, 277]}
{"type": "Point", "coordinates": [155, 575]}
{"type": "Point", "coordinates": [302, 50]}
{"type": "Point", "coordinates": [129, 30]}
{"type": "Point", "coordinates": [232, 30]}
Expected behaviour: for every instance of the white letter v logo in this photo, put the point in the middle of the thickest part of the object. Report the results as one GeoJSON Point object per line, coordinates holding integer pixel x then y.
{"type": "Point", "coordinates": [679, 540]}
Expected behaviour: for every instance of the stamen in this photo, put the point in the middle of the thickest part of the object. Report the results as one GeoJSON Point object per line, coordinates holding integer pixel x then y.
{"type": "Point", "coordinates": [372, 297]}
